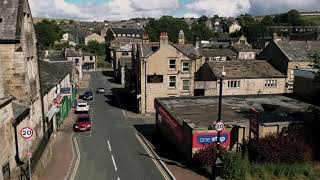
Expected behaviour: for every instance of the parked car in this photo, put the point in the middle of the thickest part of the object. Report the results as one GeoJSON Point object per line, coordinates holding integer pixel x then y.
{"type": "Point", "coordinates": [82, 107]}
{"type": "Point", "coordinates": [88, 95]}
{"type": "Point", "coordinates": [83, 123]}
{"type": "Point", "coordinates": [100, 90]}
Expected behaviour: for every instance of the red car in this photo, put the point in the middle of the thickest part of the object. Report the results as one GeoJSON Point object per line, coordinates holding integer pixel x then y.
{"type": "Point", "coordinates": [83, 123]}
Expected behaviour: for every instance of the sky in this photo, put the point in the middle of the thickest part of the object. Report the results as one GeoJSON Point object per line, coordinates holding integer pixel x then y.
{"type": "Point", "coordinates": [100, 10]}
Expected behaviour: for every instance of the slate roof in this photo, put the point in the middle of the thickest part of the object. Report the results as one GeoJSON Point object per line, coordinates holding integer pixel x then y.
{"type": "Point", "coordinates": [52, 73]}
{"type": "Point", "coordinates": [146, 49]}
{"type": "Point", "coordinates": [87, 54]}
{"type": "Point", "coordinates": [244, 48]}
{"type": "Point", "coordinates": [54, 56]}
{"type": "Point", "coordinates": [72, 53]}
{"type": "Point", "coordinates": [217, 52]}
{"type": "Point", "coordinates": [249, 69]}
{"type": "Point", "coordinates": [299, 50]}
{"type": "Point", "coordinates": [19, 112]}
{"type": "Point", "coordinates": [12, 15]}
{"type": "Point", "coordinates": [187, 49]}
{"type": "Point", "coordinates": [119, 40]}
{"type": "Point", "coordinates": [127, 31]}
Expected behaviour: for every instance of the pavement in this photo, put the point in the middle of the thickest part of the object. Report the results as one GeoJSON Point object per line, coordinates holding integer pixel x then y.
{"type": "Point", "coordinates": [62, 151]}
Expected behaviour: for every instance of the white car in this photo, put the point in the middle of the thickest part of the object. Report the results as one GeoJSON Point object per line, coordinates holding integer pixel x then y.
{"type": "Point", "coordinates": [82, 107]}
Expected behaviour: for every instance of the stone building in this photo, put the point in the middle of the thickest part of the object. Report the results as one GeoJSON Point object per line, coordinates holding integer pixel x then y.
{"type": "Point", "coordinates": [94, 37]}
{"type": "Point", "coordinates": [121, 54]}
{"type": "Point", "coordinates": [20, 80]}
{"type": "Point", "coordinates": [163, 69]}
{"type": "Point", "coordinates": [234, 27]}
{"type": "Point", "coordinates": [250, 77]}
{"type": "Point", "coordinates": [244, 49]}
{"type": "Point", "coordinates": [306, 83]}
{"type": "Point", "coordinates": [57, 91]}
{"type": "Point", "coordinates": [286, 56]}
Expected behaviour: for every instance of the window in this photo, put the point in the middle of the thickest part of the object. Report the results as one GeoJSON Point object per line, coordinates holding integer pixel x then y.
{"type": "Point", "coordinates": [125, 53]}
{"type": "Point", "coordinates": [185, 85]}
{"type": "Point", "coordinates": [233, 84]}
{"type": "Point", "coordinates": [172, 64]}
{"type": "Point", "coordinates": [185, 66]}
{"type": "Point", "coordinates": [217, 58]}
{"type": "Point", "coordinates": [91, 58]}
{"type": "Point", "coordinates": [242, 41]}
{"type": "Point", "coordinates": [172, 81]}
{"type": "Point", "coordinates": [270, 83]}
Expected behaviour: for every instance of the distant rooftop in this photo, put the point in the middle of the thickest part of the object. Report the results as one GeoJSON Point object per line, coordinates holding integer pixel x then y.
{"type": "Point", "coordinates": [203, 111]}
{"type": "Point", "coordinates": [128, 31]}
{"type": "Point", "coordinates": [248, 69]}
{"type": "Point", "coordinates": [299, 50]}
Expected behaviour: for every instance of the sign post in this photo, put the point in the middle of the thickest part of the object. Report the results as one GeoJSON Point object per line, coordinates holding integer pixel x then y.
{"type": "Point", "coordinates": [27, 133]}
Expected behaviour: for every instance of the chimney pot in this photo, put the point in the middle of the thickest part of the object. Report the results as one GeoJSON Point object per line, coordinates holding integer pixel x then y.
{"type": "Point", "coordinates": [164, 39]}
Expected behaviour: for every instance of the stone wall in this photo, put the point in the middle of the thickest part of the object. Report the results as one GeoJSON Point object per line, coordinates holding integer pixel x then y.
{"type": "Point", "coordinates": [248, 87]}
{"type": "Point", "coordinates": [7, 150]}
{"type": "Point", "coordinates": [158, 64]}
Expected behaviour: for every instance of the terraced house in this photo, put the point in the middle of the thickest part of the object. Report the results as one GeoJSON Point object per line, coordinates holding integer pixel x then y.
{"type": "Point", "coordinates": [20, 82]}
{"type": "Point", "coordinates": [163, 69]}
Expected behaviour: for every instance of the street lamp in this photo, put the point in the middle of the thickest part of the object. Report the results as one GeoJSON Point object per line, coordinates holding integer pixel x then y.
{"type": "Point", "coordinates": [223, 74]}
{"type": "Point", "coordinates": [216, 167]}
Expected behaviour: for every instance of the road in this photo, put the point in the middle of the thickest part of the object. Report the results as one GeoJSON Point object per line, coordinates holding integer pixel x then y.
{"type": "Point", "coordinates": [111, 150]}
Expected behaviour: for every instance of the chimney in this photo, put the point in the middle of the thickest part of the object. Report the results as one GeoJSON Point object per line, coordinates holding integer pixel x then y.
{"type": "Point", "coordinates": [197, 43]}
{"type": "Point", "coordinates": [46, 53]}
{"type": "Point", "coordinates": [164, 39]}
{"type": "Point", "coordinates": [145, 38]}
{"type": "Point", "coordinates": [181, 39]}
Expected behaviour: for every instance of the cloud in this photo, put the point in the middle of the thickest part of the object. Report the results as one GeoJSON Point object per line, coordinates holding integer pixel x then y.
{"type": "Point", "coordinates": [220, 7]}
{"type": "Point", "coordinates": [279, 6]}
{"type": "Point", "coordinates": [126, 9]}
{"type": "Point", "coordinates": [111, 10]}
{"type": "Point", "coordinates": [191, 15]}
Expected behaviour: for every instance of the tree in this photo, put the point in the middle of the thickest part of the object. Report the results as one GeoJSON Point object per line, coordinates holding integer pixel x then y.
{"type": "Point", "coordinates": [245, 19]}
{"type": "Point", "coordinates": [168, 24]}
{"type": "Point", "coordinates": [294, 18]}
{"type": "Point", "coordinates": [47, 32]}
{"type": "Point", "coordinates": [267, 21]}
{"type": "Point", "coordinates": [201, 31]}
{"type": "Point", "coordinates": [94, 47]}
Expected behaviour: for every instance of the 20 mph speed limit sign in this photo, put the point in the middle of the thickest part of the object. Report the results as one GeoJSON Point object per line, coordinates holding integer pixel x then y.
{"type": "Point", "coordinates": [219, 126]}
{"type": "Point", "coordinates": [26, 132]}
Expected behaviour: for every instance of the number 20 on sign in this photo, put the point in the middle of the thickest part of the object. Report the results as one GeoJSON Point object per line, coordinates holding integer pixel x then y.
{"type": "Point", "coordinates": [26, 132]}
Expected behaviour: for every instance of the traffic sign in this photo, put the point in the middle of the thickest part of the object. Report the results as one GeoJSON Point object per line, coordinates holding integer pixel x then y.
{"type": "Point", "coordinates": [219, 126]}
{"type": "Point", "coordinates": [26, 132]}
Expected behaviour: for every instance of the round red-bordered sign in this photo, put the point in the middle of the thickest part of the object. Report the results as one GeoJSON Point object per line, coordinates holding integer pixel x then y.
{"type": "Point", "coordinates": [219, 126]}
{"type": "Point", "coordinates": [26, 132]}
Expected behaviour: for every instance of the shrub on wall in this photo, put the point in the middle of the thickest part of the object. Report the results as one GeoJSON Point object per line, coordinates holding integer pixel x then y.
{"type": "Point", "coordinates": [277, 149]}
{"type": "Point", "coordinates": [234, 165]}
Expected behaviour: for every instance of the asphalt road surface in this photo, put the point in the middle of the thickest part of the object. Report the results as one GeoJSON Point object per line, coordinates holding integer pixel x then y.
{"type": "Point", "coordinates": [111, 151]}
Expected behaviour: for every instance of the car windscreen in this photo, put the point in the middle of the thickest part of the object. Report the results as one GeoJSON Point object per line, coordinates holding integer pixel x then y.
{"type": "Point", "coordinates": [88, 94]}
{"type": "Point", "coordinates": [82, 105]}
{"type": "Point", "coordinates": [84, 119]}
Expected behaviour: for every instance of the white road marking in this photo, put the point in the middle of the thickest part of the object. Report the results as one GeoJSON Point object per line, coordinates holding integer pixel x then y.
{"type": "Point", "coordinates": [118, 178]}
{"type": "Point", "coordinates": [78, 160]}
{"type": "Point", "coordinates": [152, 157]}
{"type": "Point", "coordinates": [109, 146]}
{"type": "Point", "coordinates": [114, 163]}
{"type": "Point", "coordinates": [71, 163]}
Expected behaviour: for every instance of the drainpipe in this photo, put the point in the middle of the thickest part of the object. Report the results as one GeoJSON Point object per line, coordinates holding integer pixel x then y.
{"type": "Point", "coordinates": [145, 86]}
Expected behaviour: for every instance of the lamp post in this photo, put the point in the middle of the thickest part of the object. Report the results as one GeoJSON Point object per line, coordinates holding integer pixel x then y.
{"type": "Point", "coordinates": [223, 74]}
{"type": "Point", "coordinates": [218, 163]}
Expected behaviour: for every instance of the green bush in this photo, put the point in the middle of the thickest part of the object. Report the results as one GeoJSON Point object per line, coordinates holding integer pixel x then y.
{"type": "Point", "coordinates": [265, 171]}
{"type": "Point", "coordinates": [234, 165]}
